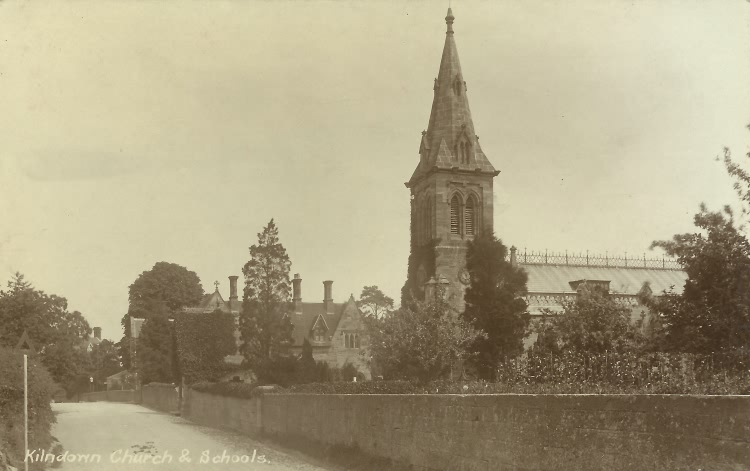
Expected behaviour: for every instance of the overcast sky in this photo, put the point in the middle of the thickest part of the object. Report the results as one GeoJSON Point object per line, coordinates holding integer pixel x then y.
{"type": "Point", "coordinates": [137, 132]}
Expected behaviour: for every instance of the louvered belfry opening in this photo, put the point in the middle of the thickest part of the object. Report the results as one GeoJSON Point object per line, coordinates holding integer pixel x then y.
{"type": "Point", "coordinates": [455, 208]}
{"type": "Point", "coordinates": [469, 217]}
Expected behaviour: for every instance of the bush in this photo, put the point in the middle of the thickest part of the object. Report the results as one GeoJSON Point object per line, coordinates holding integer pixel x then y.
{"type": "Point", "coordinates": [632, 373]}
{"type": "Point", "coordinates": [41, 418]}
{"type": "Point", "coordinates": [366, 387]}
{"type": "Point", "coordinates": [289, 371]}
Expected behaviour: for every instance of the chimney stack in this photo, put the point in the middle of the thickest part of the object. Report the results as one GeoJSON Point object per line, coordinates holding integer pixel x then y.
{"type": "Point", "coordinates": [513, 261]}
{"type": "Point", "coordinates": [297, 293]}
{"type": "Point", "coordinates": [233, 287]}
{"type": "Point", "coordinates": [98, 333]}
{"type": "Point", "coordinates": [327, 296]}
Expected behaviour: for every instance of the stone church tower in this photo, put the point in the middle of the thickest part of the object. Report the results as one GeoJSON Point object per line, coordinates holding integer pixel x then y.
{"type": "Point", "coordinates": [451, 188]}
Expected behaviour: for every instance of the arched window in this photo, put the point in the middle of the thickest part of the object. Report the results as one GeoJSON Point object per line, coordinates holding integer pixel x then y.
{"type": "Point", "coordinates": [429, 219]}
{"type": "Point", "coordinates": [348, 341]}
{"type": "Point", "coordinates": [426, 220]}
{"type": "Point", "coordinates": [455, 210]}
{"type": "Point", "coordinates": [356, 340]}
{"type": "Point", "coordinates": [470, 217]}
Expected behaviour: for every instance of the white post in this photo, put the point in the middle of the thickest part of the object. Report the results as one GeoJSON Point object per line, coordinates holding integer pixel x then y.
{"type": "Point", "coordinates": [25, 411]}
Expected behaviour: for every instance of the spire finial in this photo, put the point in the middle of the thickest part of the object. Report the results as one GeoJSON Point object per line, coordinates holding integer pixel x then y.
{"type": "Point", "coordinates": [449, 21]}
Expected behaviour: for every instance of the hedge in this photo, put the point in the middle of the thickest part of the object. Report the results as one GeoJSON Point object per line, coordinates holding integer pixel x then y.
{"type": "Point", "coordinates": [720, 385]}
{"type": "Point", "coordinates": [41, 417]}
{"type": "Point", "coordinates": [235, 389]}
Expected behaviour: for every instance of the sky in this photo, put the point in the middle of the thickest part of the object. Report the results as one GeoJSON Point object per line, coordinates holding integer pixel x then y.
{"type": "Point", "coordinates": [138, 132]}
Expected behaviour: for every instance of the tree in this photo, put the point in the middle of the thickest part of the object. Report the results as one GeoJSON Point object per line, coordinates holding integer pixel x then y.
{"type": "Point", "coordinates": [264, 324]}
{"type": "Point", "coordinates": [494, 303]}
{"type": "Point", "coordinates": [374, 303]}
{"type": "Point", "coordinates": [307, 368]}
{"type": "Point", "coordinates": [712, 314]}
{"type": "Point", "coordinates": [172, 285]}
{"type": "Point", "coordinates": [423, 343]}
{"type": "Point", "coordinates": [713, 311]}
{"type": "Point", "coordinates": [592, 323]}
{"type": "Point", "coordinates": [156, 352]}
{"type": "Point", "coordinates": [203, 341]}
{"type": "Point", "coordinates": [162, 291]}
{"type": "Point", "coordinates": [55, 332]}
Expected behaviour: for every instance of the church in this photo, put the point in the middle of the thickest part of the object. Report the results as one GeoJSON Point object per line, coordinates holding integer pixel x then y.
{"type": "Point", "coordinates": [451, 193]}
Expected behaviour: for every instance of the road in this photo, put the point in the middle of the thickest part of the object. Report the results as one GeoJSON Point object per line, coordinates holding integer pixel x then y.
{"type": "Point", "coordinates": [105, 436]}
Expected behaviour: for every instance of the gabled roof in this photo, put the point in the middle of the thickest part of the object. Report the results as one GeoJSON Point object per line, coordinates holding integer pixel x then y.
{"type": "Point", "coordinates": [215, 300]}
{"type": "Point", "coordinates": [311, 312]}
{"type": "Point", "coordinates": [305, 320]}
{"type": "Point", "coordinates": [450, 118]}
{"type": "Point", "coordinates": [320, 321]}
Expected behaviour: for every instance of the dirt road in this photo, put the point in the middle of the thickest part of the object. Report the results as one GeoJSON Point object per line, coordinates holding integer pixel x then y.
{"type": "Point", "coordinates": [105, 436]}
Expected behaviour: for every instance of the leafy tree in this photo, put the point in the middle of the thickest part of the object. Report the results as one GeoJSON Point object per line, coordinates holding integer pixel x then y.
{"type": "Point", "coordinates": [55, 332]}
{"type": "Point", "coordinates": [425, 343]}
{"type": "Point", "coordinates": [374, 303]}
{"type": "Point", "coordinates": [172, 285]}
{"type": "Point", "coordinates": [593, 323]}
{"type": "Point", "coordinates": [494, 304]}
{"type": "Point", "coordinates": [156, 353]}
{"type": "Point", "coordinates": [160, 292]}
{"type": "Point", "coordinates": [713, 311]}
{"type": "Point", "coordinates": [264, 324]}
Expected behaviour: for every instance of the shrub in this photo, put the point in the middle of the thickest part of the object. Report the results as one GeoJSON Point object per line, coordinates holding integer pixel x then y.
{"type": "Point", "coordinates": [41, 418]}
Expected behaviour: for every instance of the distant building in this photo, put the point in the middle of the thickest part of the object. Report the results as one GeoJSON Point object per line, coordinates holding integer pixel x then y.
{"type": "Point", "coordinates": [121, 380]}
{"type": "Point", "coordinates": [335, 331]}
{"type": "Point", "coordinates": [556, 278]}
{"type": "Point", "coordinates": [214, 301]}
{"type": "Point", "coordinates": [88, 344]}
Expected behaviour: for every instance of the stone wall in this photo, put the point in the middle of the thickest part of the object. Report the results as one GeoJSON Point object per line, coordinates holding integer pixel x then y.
{"type": "Point", "coordinates": [506, 432]}
{"type": "Point", "coordinates": [241, 415]}
{"type": "Point", "coordinates": [163, 397]}
{"type": "Point", "coordinates": [126, 395]}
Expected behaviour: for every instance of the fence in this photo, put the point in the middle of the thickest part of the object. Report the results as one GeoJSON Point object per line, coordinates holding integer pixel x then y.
{"type": "Point", "coordinates": [590, 260]}
{"type": "Point", "coordinates": [629, 372]}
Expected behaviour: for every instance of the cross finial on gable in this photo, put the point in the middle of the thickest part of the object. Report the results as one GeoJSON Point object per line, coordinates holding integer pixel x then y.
{"type": "Point", "coordinates": [216, 283]}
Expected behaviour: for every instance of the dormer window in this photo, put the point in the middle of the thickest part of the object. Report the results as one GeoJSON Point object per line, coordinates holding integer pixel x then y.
{"type": "Point", "coordinates": [463, 149]}
{"type": "Point", "coordinates": [458, 85]}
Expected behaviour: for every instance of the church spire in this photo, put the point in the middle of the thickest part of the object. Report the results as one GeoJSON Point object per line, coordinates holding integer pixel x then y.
{"type": "Point", "coordinates": [450, 141]}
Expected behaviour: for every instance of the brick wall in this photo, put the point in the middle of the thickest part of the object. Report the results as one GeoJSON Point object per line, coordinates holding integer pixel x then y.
{"type": "Point", "coordinates": [512, 432]}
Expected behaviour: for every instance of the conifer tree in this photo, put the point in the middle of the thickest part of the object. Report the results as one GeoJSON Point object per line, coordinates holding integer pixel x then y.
{"type": "Point", "coordinates": [494, 304]}
{"type": "Point", "coordinates": [264, 324]}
